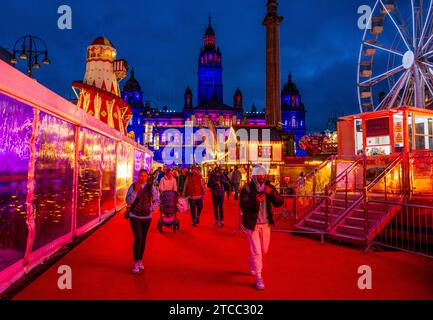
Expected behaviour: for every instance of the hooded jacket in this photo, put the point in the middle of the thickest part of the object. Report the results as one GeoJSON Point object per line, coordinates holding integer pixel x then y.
{"type": "Point", "coordinates": [250, 206]}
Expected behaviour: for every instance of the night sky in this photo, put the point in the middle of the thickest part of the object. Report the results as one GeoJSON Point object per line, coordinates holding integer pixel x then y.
{"type": "Point", "coordinates": [161, 40]}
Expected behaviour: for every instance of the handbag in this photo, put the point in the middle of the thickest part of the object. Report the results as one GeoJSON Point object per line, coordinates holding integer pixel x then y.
{"type": "Point", "coordinates": [130, 208]}
{"type": "Point", "coordinates": [183, 205]}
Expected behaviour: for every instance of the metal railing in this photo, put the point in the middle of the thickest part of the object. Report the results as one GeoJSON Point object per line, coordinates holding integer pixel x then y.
{"type": "Point", "coordinates": [316, 180]}
{"type": "Point", "coordinates": [390, 222]}
{"type": "Point", "coordinates": [295, 208]}
{"type": "Point", "coordinates": [388, 188]}
{"type": "Point", "coordinates": [349, 180]}
{"type": "Point", "coordinates": [421, 173]}
{"type": "Point", "coordinates": [411, 230]}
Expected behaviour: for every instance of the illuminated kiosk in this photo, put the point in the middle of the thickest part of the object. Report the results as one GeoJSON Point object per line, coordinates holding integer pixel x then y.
{"type": "Point", "coordinates": [384, 169]}
{"type": "Point", "coordinates": [63, 172]}
{"type": "Point", "coordinates": [382, 136]}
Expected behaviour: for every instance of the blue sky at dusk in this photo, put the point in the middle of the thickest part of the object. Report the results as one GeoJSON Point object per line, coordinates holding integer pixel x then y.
{"type": "Point", "coordinates": [161, 40]}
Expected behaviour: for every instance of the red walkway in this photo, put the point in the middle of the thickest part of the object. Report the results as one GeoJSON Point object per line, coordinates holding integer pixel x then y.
{"type": "Point", "coordinates": [210, 263]}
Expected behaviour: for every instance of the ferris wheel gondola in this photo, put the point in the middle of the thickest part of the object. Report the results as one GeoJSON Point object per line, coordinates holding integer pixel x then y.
{"type": "Point", "coordinates": [395, 65]}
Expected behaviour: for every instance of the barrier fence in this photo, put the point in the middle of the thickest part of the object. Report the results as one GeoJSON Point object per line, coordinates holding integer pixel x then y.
{"type": "Point", "coordinates": [411, 229]}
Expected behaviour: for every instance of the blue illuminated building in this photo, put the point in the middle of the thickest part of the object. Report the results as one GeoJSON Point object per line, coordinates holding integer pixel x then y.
{"type": "Point", "coordinates": [149, 124]}
{"type": "Point", "coordinates": [210, 71]}
{"type": "Point", "coordinates": [293, 113]}
{"type": "Point", "coordinates": [133, 95]}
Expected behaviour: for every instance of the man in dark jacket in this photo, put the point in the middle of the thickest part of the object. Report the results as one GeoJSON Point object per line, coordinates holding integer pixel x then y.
{"type": "Point", "coordinates": [236, 180]}
{"type": "Point", "coordinates": [218, 184]}
{"type": "Point", "coordinates": [181, 180]}
{"type": "Point", "coordinates": [256, 201]}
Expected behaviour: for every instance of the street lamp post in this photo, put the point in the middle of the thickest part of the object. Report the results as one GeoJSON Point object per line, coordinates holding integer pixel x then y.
{"type": "Point", "coordinates": [29, 48]}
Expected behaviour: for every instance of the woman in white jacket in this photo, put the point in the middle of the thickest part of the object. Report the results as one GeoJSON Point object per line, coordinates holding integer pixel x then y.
{"type": "Point", "coordinates": [168, 183]}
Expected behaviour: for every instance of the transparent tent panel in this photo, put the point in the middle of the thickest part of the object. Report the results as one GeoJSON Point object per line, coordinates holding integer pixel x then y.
{"type": "Point", "coordinates": [108, 175]}
{"type": "Point", "coordinates": [53, 179]}
{"type": "Point", "coordinates": [16, 126]}
{"type": "Point", "coordinates": [125, 172]}
{"type": "Point", "coordinates": [89, 176]}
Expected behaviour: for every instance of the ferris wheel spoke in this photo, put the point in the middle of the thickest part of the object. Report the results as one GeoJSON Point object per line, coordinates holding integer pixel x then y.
{"type": "Point", "coordinates": [427, 43]}
{"type": "Point", "coordinates": [427, 64]}
{"type": "Point", "coordinates": [383, 48]}
{"type": "Point", "coordinates": [426, 24]}
{"type": "Point", "coordinates": [413, 25]}
{"type": "Point", "coordinates": [428, 54]}
{"type": "Point", "coordinates": [393, 93]}
{"type": "Point", "coordinates": [405, 91]}
{"type": "Point", "coordinates": [395, 24]}
{"type": "Point", "coordinates": [425, 80]}
{"type": "Point", "coordinates": [382, 76]}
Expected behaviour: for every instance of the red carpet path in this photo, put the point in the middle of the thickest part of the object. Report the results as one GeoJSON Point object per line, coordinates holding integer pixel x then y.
{"type": "Point", "coordinates": [210, 263]}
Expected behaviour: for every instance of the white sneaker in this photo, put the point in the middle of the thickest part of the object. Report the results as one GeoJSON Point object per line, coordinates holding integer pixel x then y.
{"type": "Point", "coordinates": [260, 285]}
{"type": "Point", "coordinates": [135, 268]}
{"type": "Point", "coordinates": [140, 265]}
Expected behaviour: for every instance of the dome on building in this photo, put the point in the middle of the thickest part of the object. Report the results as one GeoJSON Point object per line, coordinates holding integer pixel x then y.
{"type": "Point", "coordinates": [132, 84]}
{"type": "Point", "coordinates": [290, 87]}
{"type": "Point", "coordinates": [102, 41]}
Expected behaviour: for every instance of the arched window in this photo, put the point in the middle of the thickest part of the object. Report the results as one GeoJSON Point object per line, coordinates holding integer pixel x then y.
{"type": "Point", "coordinates": [293, 124]}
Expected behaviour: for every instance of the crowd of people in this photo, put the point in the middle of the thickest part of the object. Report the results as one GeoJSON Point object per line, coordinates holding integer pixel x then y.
{"type": "Point", "coordinates": [255, 201]}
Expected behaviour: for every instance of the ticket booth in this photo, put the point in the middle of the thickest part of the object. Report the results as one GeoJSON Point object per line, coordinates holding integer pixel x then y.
{"type": "Point", "coordinates": [386, 132]}
{"type": "Point", "coordinates": [382, 135]}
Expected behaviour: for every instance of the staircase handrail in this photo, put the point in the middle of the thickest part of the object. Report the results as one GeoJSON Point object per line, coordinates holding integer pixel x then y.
{"type": "Point", "coordinates": [317, 169]}
{"type": "Point", "coordinates": [388, 168]}
{"type": "Point", "coordinates": [371, 185]}
{"type": "Point", "coordinates": [343, 174]}
{"type": "Point", "coordinates": [346, 212]}
{"type": "Point", "coordinates": [364, 196]}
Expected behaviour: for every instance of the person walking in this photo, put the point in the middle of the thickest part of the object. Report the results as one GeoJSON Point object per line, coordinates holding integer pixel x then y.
{"type": "Point", "coordinates": [168, 183]}
{"type": "Point", "coordinates": [142, 200]}
{"type": "Point", "coordinates": [256, 200]}
{"type": "Point", "coordinates": [181, 180]}
{"type": "Point", "coordinates": [236, 181]}
{"type": "Point", "coordinates": [195, 189]}
{"type": "Point", "coordinates": [227, 186]}
{"type": "Point", "coordinates": [159, 175]}
{"type": "Point", "coordinates": [217, 183]}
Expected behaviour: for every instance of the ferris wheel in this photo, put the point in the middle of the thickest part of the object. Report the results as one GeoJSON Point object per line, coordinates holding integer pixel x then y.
{"type": "Point", "coordinates": [395, 66]}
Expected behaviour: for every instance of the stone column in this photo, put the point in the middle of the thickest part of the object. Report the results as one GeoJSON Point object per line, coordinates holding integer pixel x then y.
{"type": "Point", "coordinates": [272, 23]}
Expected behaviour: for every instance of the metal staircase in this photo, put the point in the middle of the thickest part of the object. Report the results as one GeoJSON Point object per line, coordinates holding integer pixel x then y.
{"type": "Point", "coordinates": [353, 213]}
{"type": "Point", "coordinates": [378, 205]}
{"type": "Point", "coordinates": [339, 196]}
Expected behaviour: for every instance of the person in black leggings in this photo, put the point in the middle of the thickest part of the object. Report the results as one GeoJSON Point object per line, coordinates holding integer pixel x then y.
{"type": "Point", "coordinates": [218, 184]}
{"type": "Point", "coordinates": [142, 199]}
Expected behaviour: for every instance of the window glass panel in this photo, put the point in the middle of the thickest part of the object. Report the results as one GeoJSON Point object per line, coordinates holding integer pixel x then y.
{"type": "Point", "coordinates": [16, 129]}
{"type": "Point", "coordinates": [89, 159]}
{"type": "Point", "coordinates": [108, 175]}
{"type": "Point", "coordinates": [53, 179]}
{"type": "Point", "coordinates": [125, 171]}
{"type": "Point", "coordinates": [378, 141]}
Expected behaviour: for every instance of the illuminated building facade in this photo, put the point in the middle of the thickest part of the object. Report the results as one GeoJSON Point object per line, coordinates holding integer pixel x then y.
{"type": "Point", "coordinates": [293, 114]}
{"type": "Point", "coordinates": [150, 123]}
